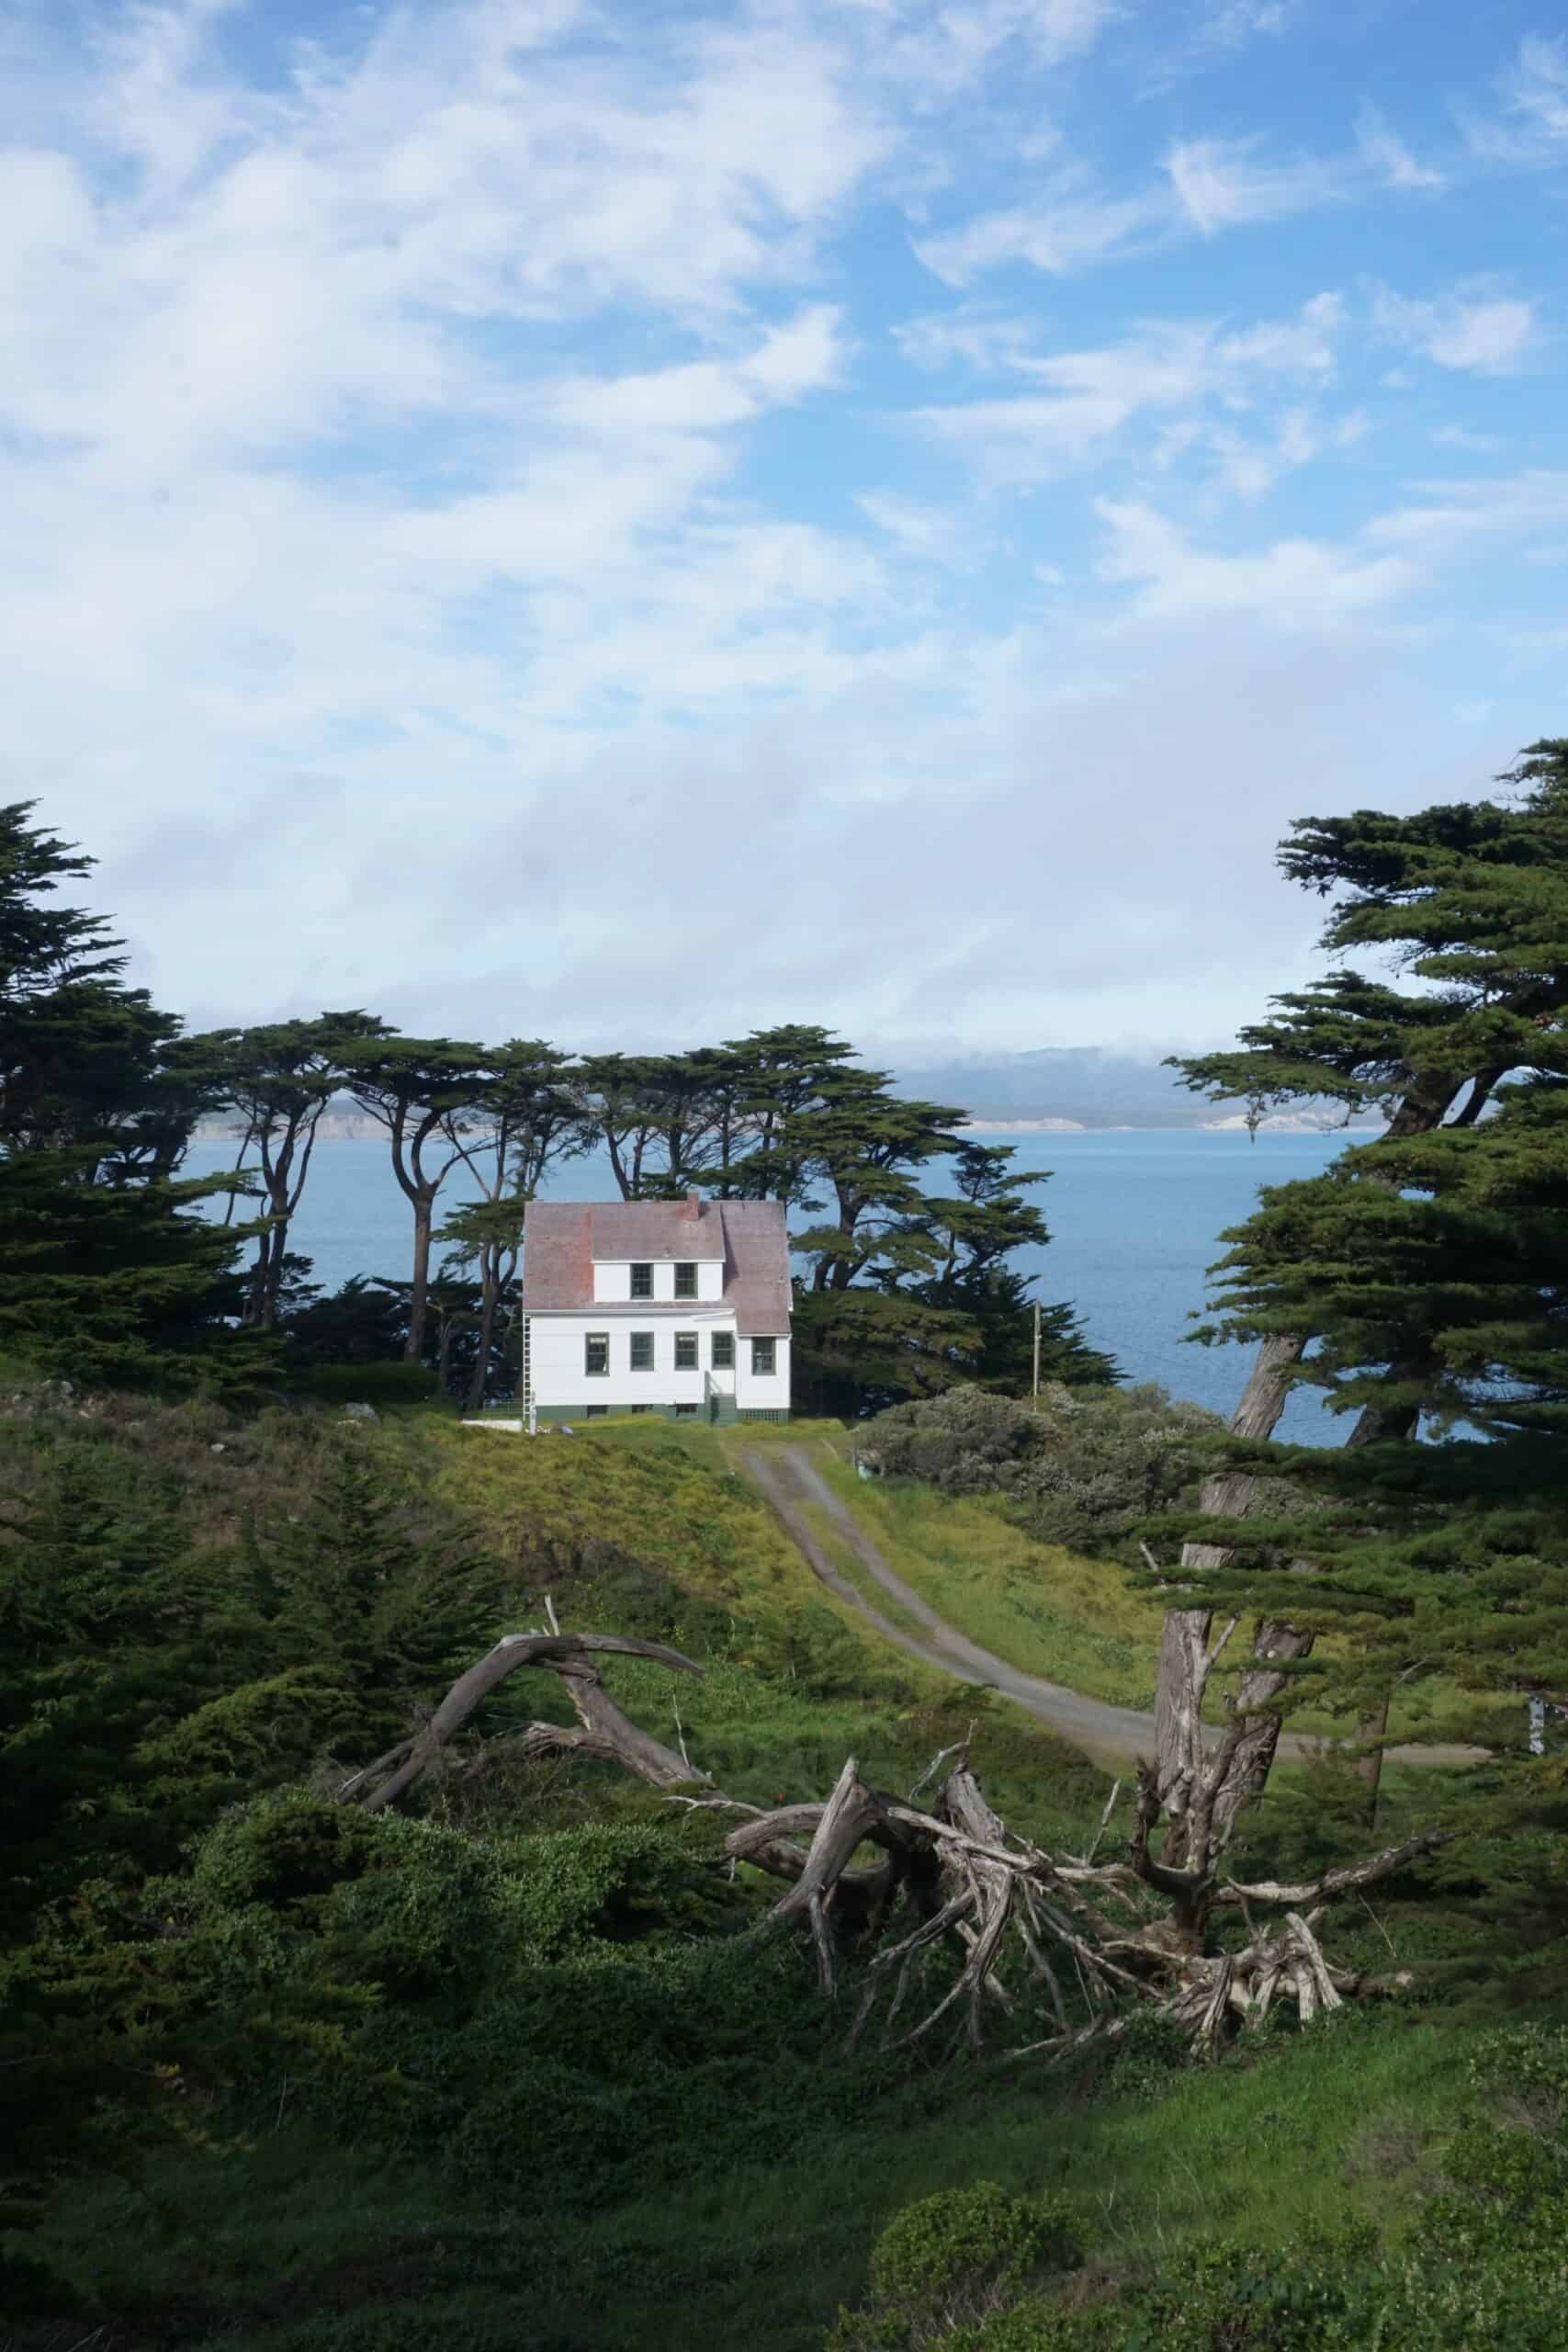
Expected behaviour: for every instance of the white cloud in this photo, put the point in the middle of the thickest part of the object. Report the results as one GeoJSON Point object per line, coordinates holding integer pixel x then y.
{"type": "Point", "coordinates": [403, 511]}
{"type": "Point", "coordinates": [1486, 337]}
{"type": "Point", "coordinates": [1221, 184]}
{"type": "Point", "coordinates": [1293, 584]}
{"type": "Point", "coordinates": [1231, 22]}
{"type": "Point", "coordinates": [935, 534]}
{"type": "Point", "coordinates": [1459, 436]}
{"type": "Point", "coordinates": [1087, 399]}
{"type": "Point", "coordinates": [1062, 230]}
{"type": "Point", "coordinates": [1537, 87]}
{"type": "Point", "coordinates": [1448, 515]}
{"type": "Point", "coordinates": [1384, 151]}
{"type": "Point", "coordinates": [960, 338]}
{"type": "Point", "coordinates": [946, 45]}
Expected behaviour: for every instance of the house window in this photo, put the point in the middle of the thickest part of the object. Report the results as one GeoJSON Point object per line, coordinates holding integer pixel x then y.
{"type": "Point", "coordinates": [724, 1352]}
{"type": "Point", "coordinates": [685, 1281]}
{"type": "Point", "coordinates": [763, 1358]}
{"type": "Point", "coordinates": [595, 1412]}
{"type": "Point", "coordinates": [642, 1351]}
{"type": "Point", "coordinates": [685, 1352]}
{"type": "Point", "coordinates": [685, 1412]}
{"type": "Point", "coordinates": [596, 1354]}
{"type": "Point", "coordinates": [642, 1281]}
{"type": "Point", "coordinates": [641, 1408]}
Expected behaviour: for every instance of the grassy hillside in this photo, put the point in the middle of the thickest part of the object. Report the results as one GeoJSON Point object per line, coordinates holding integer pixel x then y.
{"type": "Point", "coordinates": [412, 2107]}
{"type": "Point", "coordinates": [1085, 1623]}
{"type": "Point", "coordinates": [306, 2247]}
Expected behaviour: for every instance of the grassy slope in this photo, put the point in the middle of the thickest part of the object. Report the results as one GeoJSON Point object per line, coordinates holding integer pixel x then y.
{"type": "Point", "coordinates": [291, 2244]}
{"type": "Point", "coordinates": [1082, 1623]}
{"type": "Point", "coordinates": [305, 2248]}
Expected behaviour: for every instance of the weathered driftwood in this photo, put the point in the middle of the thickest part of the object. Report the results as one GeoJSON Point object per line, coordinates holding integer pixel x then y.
{"type": "Point", "coordinates": [946, 1896]}
{"type": "Point", "coordinates": [604, 1729]}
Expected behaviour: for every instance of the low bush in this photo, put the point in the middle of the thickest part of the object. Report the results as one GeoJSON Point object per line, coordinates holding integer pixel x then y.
{"type": "Point", "coordinates": [1087, 1466]}
{"type": "Point", "coordinates": [952, 2263]}
{"type": "Point", "coordinates": [1483, 2266]}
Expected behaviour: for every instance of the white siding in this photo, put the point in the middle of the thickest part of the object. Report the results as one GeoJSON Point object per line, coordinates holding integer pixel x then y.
{"type": "Point", "coordinates": [557, 1356]}
{"type": "Point", "coordinates": [755, 1391]}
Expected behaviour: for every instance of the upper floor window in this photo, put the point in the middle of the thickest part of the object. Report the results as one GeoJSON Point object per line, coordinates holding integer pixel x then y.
{"type": "Point", "coordinates": [724, 1352]}
{"type": "Point", "coordinates": [642, 1281]}
{"type": "Point", "coordinates": [685, 1352]}
{"type": "Point", "coordinates": [642, 1351]}
{"type": "Point", "coordinates": [596, 1353]}
{"type": "Point", "coordinates": [685, 1281]}
{"type": "Point", "coordinates": [764, 1357]}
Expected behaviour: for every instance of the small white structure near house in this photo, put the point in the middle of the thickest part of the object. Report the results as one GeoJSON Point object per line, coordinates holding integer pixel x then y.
{"type": "Point", "coordinates": [678, 1307]}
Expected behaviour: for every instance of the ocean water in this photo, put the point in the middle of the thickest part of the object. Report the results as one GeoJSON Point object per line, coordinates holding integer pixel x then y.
{"type": "Point", "coordinates": [1134, 1217]}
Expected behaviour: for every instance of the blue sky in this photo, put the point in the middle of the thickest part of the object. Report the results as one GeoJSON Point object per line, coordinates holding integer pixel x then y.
{"type": "Point", "coordinates": [623, 523]}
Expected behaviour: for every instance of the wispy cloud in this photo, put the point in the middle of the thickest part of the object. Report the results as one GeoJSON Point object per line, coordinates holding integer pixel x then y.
{"type": "Point", "coordinates": [1385, 152]}
{"type": "Point", "coordinates": [1442, 516]}
{"type": "Point", "coordinates": [1225, 184]}
{"type": "Point", "coordinates": [1536, 86]}
{"type": "Point", "coordinates": [1081, 402]}
{"type": "Point", "coordinates": [1483, 337]}
{"type": "Point", "coordinates": [1293, 584]}
{"type": "Point", "coordinates": [482, 433]}
{"type": "Point", "coordinates": [1064, 230]}
{"type": "Point", "coordinates": [1229, 23]}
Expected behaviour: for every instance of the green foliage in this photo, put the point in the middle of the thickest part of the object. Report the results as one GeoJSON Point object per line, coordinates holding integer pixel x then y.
{"type": "Point", "coordinates": [946, 2266]}
{"type": "Point", "coordinates": [178, 1634]}
{"type": "Point", "coordinates": [1483, 2264]}
{"type": "Point", "coordinates": [105, 1272]}
{"type": "Point", "coordinates": [1086, 1466]}
{"type": "Point", "coordinates": [391, 1385]}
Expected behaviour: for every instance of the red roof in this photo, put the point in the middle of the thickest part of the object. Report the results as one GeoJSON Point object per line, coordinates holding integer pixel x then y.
{"type": "Point", "coordinates": [624, 1231]}
{"type": "Point", "coordinates": [563, 1238]}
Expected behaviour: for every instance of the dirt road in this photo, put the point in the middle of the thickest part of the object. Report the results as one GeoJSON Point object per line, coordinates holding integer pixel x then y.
{"type": "Point", "coordinates": [792, 1485]}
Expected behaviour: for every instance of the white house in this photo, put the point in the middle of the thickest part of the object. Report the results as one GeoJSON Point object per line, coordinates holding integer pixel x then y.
{"type": "Point", "coordinates": [678, 1307]}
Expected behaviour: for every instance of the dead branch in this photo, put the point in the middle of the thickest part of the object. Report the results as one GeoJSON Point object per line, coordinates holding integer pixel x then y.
{"type": "Point", "coordinates": [951, 1899]}
{"type": "Point", "coordinates": [1344, 1880]}
{"type": "Point", "coordinates": [605, 1730]}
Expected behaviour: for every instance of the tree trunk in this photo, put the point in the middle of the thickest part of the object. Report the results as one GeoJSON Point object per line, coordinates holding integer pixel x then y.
{"type": "Point", "coordinates": [418, 1293]}
{"type": "Point", "coordinates": [1252, 1758]}
{"type": "Point", "coordinates": [1184, 1658]}
{"type": "Point", "coordinates": [273, 1280]}
{"type": "Point", "coordinates": [238, 1165]}
{"type": "Point", "coordinates": [255, 1296]}
{"type": "Point", "coordinates": [489, 1286]}
{"type": "Point", "coordinates": [1372, 1730]}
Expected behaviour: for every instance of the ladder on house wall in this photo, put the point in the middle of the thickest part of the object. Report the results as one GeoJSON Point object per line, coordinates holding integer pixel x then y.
{"type": "Point", "coordinates": [525, 1391]}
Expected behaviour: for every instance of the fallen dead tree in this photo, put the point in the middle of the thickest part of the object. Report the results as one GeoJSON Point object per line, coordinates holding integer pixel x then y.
{"type": "Point", "coordinates": [941, 1913]}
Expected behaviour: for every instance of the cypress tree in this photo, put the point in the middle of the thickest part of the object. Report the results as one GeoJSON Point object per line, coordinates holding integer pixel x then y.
{"type": "Point", "coordinates": [1422, 1275]}
{"type": "Point", "coordinates": [106, 1269]}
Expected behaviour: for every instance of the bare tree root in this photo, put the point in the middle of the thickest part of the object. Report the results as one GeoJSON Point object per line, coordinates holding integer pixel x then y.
{"type": "Point", "coordinates": [604, 1729]}
{"type": "Point", "coordinates": [945, 1912]}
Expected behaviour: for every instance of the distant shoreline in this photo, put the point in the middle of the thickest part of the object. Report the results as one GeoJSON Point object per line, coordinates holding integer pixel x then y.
{"type": "Point", "coordinates": [340, 1128]}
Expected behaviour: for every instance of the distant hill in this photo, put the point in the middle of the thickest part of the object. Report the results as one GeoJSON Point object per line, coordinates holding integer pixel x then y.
{"type": "Point", "coordinates": [1082, 1086]}
{"type": "Point", "coordinates": [1067, 1087]}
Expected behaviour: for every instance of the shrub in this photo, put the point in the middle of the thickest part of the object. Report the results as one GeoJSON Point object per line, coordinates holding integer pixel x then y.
{"type": "Point", "coordinates": [1089, 1466]}
{"type": "Point", "coordinates": [947, 2265]}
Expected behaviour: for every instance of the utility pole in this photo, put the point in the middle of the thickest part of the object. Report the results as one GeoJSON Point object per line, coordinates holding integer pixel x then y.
{"type": "Point", "coordinates": [1036, 1388]}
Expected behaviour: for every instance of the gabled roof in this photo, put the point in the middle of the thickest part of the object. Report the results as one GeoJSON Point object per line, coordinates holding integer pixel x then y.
{"type": "Point", "coordinates": [562, 1240]}
{"type": "Point", "coordinates": [663, 1229]}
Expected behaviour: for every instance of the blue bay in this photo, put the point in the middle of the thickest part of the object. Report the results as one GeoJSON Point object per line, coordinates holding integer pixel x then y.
{"type": "Point", "coordinates": [1134, 1217]}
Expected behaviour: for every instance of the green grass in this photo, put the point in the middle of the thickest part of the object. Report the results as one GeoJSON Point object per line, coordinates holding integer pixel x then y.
{"type": "Point", "coordinates": [284, 2240]}
{"type": "Point", "coordinates": [292, 2245]}
{"type": "Point", "coordinates": [1086, 1623]}
{"type": "Point", "coordinates": [1069, 1619]}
